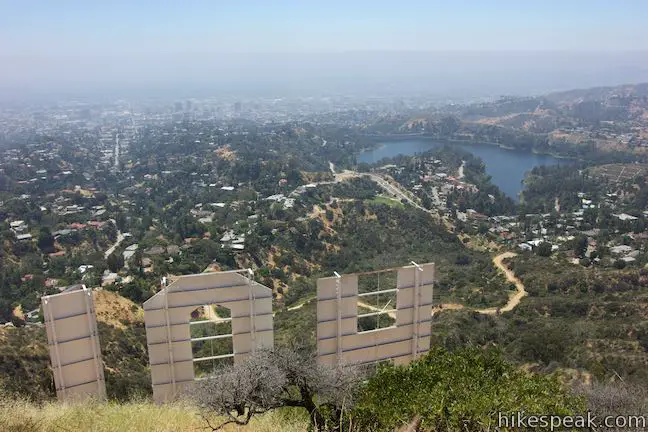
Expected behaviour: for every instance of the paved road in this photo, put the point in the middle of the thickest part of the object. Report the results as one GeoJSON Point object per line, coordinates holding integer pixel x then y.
{"type": "Point", "coordinates": [332, 167]}
{"type": "Point", "coordinates": [396, 191]}
{"type": "Point", "coordinates": [111, 249]}
{"type": "Point", "coordinates": [460, 171]}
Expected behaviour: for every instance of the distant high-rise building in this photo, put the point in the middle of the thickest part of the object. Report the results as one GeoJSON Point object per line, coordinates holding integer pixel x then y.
{"type": "Point", "coordinates": [178, 106]}
{"type": "Point", "coordinates": [237, 107]}
{"type": "Point", "coordinates": [188, 105]}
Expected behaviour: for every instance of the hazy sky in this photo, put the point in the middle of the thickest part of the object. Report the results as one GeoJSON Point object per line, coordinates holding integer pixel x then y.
{"type": "Point", "coordinates": [58, 44]}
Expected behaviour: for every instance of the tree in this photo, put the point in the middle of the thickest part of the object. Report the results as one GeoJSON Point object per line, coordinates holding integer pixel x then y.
{"type": "Point", "coordinates": [329, 215]}
{"type": "Point", "coordinates": [620, 264]}
{"type": "Point", "coordinates": [449, 125]}
{"type": "Point", "coordinates": [270, 379]}
{"type": "Point", "coordinates": [115, 262]}
{"type": "Point", "coordinates": [120, 221]}
{"type": "Point", "coordinates": [580, 246]}
{"type": "Point", "coordinates": [544, 249]}
{"type": "Point", "coordinates": [45, 240]}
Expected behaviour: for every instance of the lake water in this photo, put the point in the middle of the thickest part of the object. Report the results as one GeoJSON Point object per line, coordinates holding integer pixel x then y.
{"type": "Point", "coordinates": [506, 167]}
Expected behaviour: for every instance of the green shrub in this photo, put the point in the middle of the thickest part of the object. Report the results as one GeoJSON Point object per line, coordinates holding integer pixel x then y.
{"type": "Point", "coordinates": [463, 390]}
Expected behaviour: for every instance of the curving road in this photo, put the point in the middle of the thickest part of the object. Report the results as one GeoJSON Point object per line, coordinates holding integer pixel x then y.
{"type": "Point", "coordinates": [111, 249]}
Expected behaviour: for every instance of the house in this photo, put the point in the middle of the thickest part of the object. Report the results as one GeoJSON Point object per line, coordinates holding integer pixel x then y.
{"type": "Point", "coordinates": [96, 224]}
{"type": "Point", "coordinates": [21, 237]}
{"type": "Point", "coordinates": [155, 250]}
{"type": "Point", "coordinates": [18, 226]}
{"type": "Point", "coordinates": [621, 249]}
{"type": "Point", "coordinates": [62, 232]}
{"type": "Point", "coordinates": [109, 278]}
{"type": "Point", "coordinates": [71, 288]}
{"type": "Point", "coordinates": [276, 198]}
{"type": "Point", "coordinates": [625, 217]}
{"type": "Point", "coordinates": [84, 268]}
{"type": "Point", "coordinates": [227, 236]}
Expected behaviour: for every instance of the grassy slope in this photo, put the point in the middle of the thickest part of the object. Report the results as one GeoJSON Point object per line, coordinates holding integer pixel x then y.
{"type": "Point", "coordinates": [136, 416]}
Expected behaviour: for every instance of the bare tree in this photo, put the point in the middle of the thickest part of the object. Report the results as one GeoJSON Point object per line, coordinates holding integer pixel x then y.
{"type": "Point", "coordinates": [267, 380]}
{"type": "Point", "coordinates": [240, 391]}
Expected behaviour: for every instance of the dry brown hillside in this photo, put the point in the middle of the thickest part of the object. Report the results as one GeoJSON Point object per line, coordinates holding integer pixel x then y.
{"type": "Point", "coordinates": [117, 311]}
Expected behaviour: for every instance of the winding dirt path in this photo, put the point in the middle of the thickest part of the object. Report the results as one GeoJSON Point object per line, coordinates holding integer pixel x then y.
{"type": "Point", "coordinates": [520, 291]}
{"type": "Point", "coordinates": [514, 299]}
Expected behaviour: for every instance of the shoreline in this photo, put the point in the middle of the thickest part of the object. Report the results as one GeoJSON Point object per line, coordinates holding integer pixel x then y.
{"type": "Point", "coordinates": [397, 137]}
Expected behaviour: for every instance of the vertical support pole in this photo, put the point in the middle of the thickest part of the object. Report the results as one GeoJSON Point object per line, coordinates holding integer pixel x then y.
{"type": "Point", "coordinates": [338, 294]}
{"type": "Point", "coordinates": [169, 340]}
{"type": "Point", "coordinates": [93, 334]}
{"type": "Point", "coordinates": [416, 319]}
{"type": "Point", "coordinates": [252, 299]}
{"type": "Point", "coordinates": [47, 310]}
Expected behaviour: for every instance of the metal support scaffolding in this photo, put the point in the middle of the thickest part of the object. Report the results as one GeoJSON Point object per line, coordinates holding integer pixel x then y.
{"type": "Point", "coordinates": [252, 314]}
{"type": "Point", "coordinates": [47, 310]}
{"type": "Point", "coordinates": [380, 312]}
{"type": "Point", "coordinates": [378, 292]}
{"type": "Point", "coordinates": [416, 322]}
{"type": "Point", "coordinates": [213, 321]}
{"type": "Point", "coordinates": [216, 357]}
{"type": "Point", "coordinates": [93, 335]}
{"type": "Point", "coordinates": [338, 293]}
{"type": "Point", "coordinates": [169, 340]}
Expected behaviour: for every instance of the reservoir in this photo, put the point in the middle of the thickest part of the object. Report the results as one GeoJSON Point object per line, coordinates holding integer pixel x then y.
{"type": "Point", "coordinates": [507, 168]}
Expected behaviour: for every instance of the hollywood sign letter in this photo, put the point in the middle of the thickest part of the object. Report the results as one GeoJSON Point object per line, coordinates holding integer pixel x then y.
{"type": "Point", "coordinates": [338, 338]}
{"type": "Point", "coordinates": [75, 353]}
{"type": "Point", "coordinates": [167, 318]}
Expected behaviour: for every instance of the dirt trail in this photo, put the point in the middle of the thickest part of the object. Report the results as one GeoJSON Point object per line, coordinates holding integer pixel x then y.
{"type": "Point", "coordinates": [520, 292]}
{"type": "Point", "coordinates": [513, 301]}
{"type": "Point", "coordinates": [376, 309]}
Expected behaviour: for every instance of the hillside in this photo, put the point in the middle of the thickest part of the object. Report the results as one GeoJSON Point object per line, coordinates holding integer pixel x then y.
{"type": "Point", "coordinates": [591, 124]}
